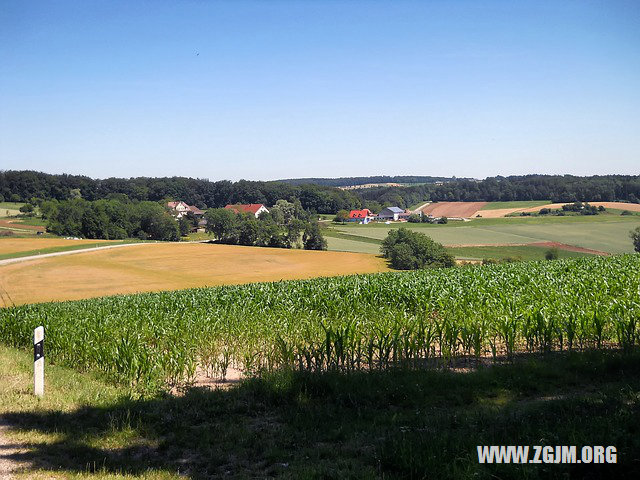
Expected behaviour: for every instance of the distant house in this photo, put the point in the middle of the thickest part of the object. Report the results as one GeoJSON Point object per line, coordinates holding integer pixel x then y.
{"type": "Point", "coordinates": [180, 209]}
{"type": "Point", "coordinates": [362, 216]}
{"type": "Point", "coordinates": [391, 213]}
{"type": "Point", "coordinates": [254, 208]}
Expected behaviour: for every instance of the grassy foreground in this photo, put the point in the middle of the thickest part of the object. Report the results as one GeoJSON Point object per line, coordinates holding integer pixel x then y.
{"type": "Point", "coordinates": [393, 424]}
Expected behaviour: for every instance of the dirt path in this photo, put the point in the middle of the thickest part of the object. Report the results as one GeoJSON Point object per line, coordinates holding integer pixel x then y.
{"type": "Point", "coordinates": [68, 252]}
{"type": "Point", "coordinates": [8, 452]}
{"type": "Point", "coordinates": [421, 207]}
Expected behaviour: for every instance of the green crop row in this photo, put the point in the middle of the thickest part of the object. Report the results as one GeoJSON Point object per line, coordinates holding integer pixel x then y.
{"type": "Point", "coordinates": [342, 323]}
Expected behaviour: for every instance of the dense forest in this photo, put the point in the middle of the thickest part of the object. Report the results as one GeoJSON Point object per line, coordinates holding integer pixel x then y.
{"type": "Point", "coordinates": [353, 181]}
{"type": "Point", "coordinates": [26, 185]}
{"type": "Point", "coordinates": [557, 188]}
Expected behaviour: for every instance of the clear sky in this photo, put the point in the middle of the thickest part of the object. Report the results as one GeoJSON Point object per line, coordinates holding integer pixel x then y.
{"type": "Point", "coordinates": [282, 89]}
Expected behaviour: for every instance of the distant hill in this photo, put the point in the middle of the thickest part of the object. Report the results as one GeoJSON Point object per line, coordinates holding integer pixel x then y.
{"type": "Point", "coordinates": [379, 179]}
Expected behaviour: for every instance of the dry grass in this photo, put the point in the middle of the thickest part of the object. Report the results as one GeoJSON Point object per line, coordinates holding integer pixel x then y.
{"type": "Point", "coordinates": [502, 212]}
{"type": "Point", "coordinates": [14, 245]}
{"type": "Point", "coordinates": [155, 267]}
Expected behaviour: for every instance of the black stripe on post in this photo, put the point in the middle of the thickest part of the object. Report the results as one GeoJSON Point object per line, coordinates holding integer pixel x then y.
{"type": "Point", "coordinates": [38, 350]}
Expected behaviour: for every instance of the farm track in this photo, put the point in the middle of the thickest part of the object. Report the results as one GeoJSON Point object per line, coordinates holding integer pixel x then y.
{"type": "Point", "coordinates": [69, 252]}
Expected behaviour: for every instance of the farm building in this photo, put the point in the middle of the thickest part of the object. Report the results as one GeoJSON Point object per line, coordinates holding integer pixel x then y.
{"type": "Point", "coordinates": [392, 213]}
{"type": "Point", "coordinates": [180, 209]}
{"type": "Point", "coordinates": [363, 216]}
{"type": "Point", "coordinates": [254, 208]}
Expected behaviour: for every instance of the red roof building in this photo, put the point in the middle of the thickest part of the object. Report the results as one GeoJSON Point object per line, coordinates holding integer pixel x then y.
{"type": "Point", "coordinates": [364, 213]}
{"type": "Point", "coordinates": [254, 208]}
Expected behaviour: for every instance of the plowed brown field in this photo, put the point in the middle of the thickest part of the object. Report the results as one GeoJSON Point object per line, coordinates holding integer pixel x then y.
{"type": "Point", "coordinates": [453, 209]}
{"type": "Point", "coordinates": [154, 267]}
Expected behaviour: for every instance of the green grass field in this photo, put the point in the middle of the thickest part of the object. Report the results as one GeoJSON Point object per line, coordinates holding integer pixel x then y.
{"type": "Point", "coordinates": [604, 233]}
{"type": "Point", "coordinates": [9, 209]}
{"type": "Point", "coordinates": [513, 252]}
{"type": "Point", "coordinates": [395, 424]}
{"type": "Point", "coordinates": [515, 204]}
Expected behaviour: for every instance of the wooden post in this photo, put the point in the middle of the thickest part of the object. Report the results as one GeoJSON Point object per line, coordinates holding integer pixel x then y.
{"type": "Point", "coordinates": [38, 361]}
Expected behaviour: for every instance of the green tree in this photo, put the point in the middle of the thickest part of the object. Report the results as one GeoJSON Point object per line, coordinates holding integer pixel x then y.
{"type": "Point", "coordinates": [27, 209]}
{"type": "Point", "coordinates": [341, 216]}
{"type": "Point", "coordinates": [635, 236]}
{"type": "Point", "coordinates": [551, 254]}
{"type": "Point", "coordinates": [248, 231]}
{"type": "Point", "coordinates": [409, 250]}
{"type": "Point", "coordinates": [184, 225]}
{"type": "Point", "coordinates": [312, 238]}
{"type": "Point", "coordinates": [222, 223]}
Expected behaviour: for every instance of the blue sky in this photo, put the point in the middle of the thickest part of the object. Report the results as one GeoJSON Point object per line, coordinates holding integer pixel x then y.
{"type": "Point", "coordinates": [281, 89]}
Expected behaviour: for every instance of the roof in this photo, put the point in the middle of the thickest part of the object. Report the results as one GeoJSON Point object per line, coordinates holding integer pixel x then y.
{"type": "Point", "coordinates": [246, 208]}
{"type": "Point", "coordinates": [395, 209]}
{"type": "Point", "coordinates": [191, 208]}
{"type": "Point", "coordinates": [364, 213]}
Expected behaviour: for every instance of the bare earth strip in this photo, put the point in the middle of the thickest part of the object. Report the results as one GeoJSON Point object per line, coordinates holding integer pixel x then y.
{"type": "Point", "coordinates": [454, 209]}
{"type": "Point", "coordinates": [168, 266]}
{"type": "Point", "coordinates": [501, 212]}
{"type": "Point", "coordinates": [8, 450]}
{"type": "Point", "coordinates": [21, 226]}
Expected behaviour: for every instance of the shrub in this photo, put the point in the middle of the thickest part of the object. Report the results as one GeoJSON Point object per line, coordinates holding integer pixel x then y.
{"type": "Point", "coordinates": [409, 250]}
{"type": "Point", "coordinates": [551, 254]}
{"type": "Point", "coordinates": [635, 236]}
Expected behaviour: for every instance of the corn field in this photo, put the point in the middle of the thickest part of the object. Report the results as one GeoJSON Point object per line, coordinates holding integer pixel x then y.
{"type": "Point", "coordinates": [360, 322]}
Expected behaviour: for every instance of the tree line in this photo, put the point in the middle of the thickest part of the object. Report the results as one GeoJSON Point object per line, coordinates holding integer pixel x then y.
{"type": "Point", "coordinates": [110, 219]}
{"type": "Point", "coordinates": [556, 188]}
{"type": "Point", "coordinates": [27, 185]}
{"type": "Point", "coordinates": [286, 225]}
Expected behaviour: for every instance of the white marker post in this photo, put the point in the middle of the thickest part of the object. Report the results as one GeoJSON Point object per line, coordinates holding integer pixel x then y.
{"type": "Point", "coordinates": [38, 361]}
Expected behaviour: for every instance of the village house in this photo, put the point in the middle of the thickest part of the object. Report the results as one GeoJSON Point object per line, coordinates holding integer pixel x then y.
{"type": "Point", "coordinates": [180, 209]}
{"type": "Point", "coordinates": [254, 208]}
{"type": "Point", "coordinates": [391, 214]}
{"type": "Point", "coordinates": [361, 216]}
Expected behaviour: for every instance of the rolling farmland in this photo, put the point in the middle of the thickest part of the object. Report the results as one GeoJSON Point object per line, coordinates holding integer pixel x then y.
{"type": "Point", "coordinates": [167, 266]}
{"type": "Point", "coordinates": [365, 322]}
{"type": "Point", "coordinates": [608, 234]}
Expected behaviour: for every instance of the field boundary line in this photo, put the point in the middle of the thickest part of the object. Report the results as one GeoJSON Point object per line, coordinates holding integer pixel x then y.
{"type": "Point", "coordinates": [68, 252]}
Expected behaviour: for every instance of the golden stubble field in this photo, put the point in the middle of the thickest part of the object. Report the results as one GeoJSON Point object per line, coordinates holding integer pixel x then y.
{"type": "Point", "coordinates": [15, 245]}
{"type": "Point", "coordinates": [168, 266]}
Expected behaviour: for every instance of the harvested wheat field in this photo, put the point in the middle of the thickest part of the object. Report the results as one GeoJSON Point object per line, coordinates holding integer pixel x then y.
{"type": "Point", "coordinates": [632, 207]}
{"type": "Point", "coordinates": [501, 212]}
{"type": "Point", "coordinates": [168, 266]}
{"type": "Point", "coordinates": [15, 245]}
{"type": "Point", "coordinates": [453, 209]}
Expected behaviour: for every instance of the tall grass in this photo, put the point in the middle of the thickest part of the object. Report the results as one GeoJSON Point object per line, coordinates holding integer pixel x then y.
{"type": "Point", "coordinates": [344, 323]}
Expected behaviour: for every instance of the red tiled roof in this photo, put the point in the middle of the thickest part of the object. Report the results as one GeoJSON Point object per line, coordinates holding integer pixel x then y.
{"type": "Point", "coordinates": [195, 210]}
{"type": "Point", "coordinates": [364, 213]}
{"type": "Point", "coordinates": [250, 208]}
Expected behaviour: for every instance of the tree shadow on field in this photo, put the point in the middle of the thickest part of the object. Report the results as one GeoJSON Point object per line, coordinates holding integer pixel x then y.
{"type": "Point", "coordinates": [391, 424]}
